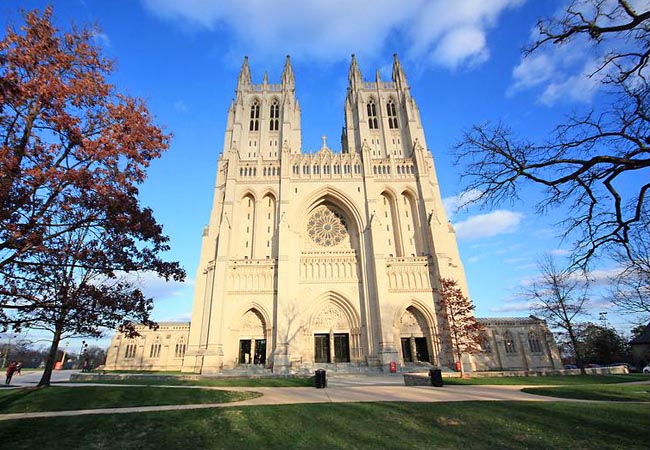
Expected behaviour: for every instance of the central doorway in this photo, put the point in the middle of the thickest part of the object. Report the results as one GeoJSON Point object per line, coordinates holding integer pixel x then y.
{"type": "Point", "coordinates": [331, 347]}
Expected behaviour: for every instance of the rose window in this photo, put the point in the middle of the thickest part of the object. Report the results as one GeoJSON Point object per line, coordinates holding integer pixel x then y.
{"type": "Point", "coordinates": [326, 228]}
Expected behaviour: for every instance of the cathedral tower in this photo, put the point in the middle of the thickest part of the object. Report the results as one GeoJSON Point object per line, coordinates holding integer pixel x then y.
{"type": "Point", "coordinates": [322, 258]}
{"type": "Point", "coordinates": [326, 259]}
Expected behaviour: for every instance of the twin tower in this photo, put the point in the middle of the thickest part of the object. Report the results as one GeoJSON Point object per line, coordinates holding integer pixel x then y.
{"type": "Point", "coordinates": [328, 259]}
{"type": "Point", "coordinates": [323, 258]}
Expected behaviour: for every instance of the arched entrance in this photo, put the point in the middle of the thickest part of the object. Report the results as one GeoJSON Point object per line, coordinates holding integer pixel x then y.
{"type": "Point", "coordinates": [252, 339]}
{"type": "Point", "coordinates": [336, 334]}
{"type": "Point", "coordinates": [415, 337]}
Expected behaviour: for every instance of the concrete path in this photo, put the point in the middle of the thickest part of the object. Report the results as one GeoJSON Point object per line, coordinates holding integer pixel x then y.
{"type": "Point", "coordinates": [332, 394]}
{"type": "Point", "coordinates": [31, 378]}
{"type": "Point", "coordinates": [341, 389]}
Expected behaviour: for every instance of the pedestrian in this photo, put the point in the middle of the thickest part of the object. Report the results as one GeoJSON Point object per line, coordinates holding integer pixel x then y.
{"type": "Point", "coordinates": [10, 371]}
{"type": "Point", "coordinates": [19, 367]}
{"type": "Point", "coordinates": [85, 367]}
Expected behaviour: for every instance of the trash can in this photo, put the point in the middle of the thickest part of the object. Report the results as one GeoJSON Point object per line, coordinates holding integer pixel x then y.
{"type": "Point", "coordinates": [320, 379]}
{"type": "Point", "coordinates": [436, 377]}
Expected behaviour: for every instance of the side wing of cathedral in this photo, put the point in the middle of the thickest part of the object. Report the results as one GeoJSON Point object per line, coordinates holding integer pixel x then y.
{"type": "Point", "coordinates": [327, 258]}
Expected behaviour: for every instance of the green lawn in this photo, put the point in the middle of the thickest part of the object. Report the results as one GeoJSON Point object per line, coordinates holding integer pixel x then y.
{"type": "Point", "coordinates": [214, 382]}
{"type": "Point", "coordinates": [609, 392]}
{"type": "Point", "coordinates": [466, 425]}
{"type": "Point", "coordinates": [549, 380]}
{"type": "Point", "coordinates": [92, 397]}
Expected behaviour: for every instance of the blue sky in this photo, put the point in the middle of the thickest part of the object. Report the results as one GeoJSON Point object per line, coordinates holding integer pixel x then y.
{"type": "Point", "coordinates": [463, 61]}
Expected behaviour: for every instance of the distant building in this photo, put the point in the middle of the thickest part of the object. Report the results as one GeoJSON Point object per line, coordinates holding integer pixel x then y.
{"type": "Point", "coordinates": [333, 257]}
{"type": "Point", "coordinates": [640, 346]}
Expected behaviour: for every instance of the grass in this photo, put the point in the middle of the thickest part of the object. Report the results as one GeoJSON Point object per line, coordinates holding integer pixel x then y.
{"type": "Point", "coordinates": [214, 382]}
{"type": "Point", "coordinates": [549, 380]}
{"type": "Point", "coordinates": [93, 397]}
{"type": "Point", "coordinates": [467, 425]}
{"type": "Point", "coordinates": [608, 392]}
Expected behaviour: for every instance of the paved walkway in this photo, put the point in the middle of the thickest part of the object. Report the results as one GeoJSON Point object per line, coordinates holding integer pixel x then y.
{"type": "Point", "coordinates": [341, 389]}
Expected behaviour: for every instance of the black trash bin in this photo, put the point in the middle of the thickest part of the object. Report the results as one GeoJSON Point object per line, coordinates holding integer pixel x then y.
{"type": "Point", "coordinates": [436, 377]}
{"type": "Point", "coordinates": [320, 379]}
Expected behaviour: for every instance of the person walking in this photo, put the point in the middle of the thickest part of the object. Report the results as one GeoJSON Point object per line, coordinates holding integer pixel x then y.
{"type": "Point", "coordinates": [10, 371]}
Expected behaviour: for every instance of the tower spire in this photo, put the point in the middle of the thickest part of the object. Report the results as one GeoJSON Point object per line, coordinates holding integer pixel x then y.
{"type": "Point", "coordinates": [399, 76]}
{"type": "Point", "coordinates": [354, 75]}
{"type": "Point", "coordinates": [288, 78]}
{"type": "Point", "coordinates": [244, 78]}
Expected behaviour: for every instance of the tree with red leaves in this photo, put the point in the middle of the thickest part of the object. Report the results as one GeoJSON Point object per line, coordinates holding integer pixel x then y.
{"type": "Point", "coordinates": [464, 330]}
{"type": "Point", "coordinates": [72, 154]}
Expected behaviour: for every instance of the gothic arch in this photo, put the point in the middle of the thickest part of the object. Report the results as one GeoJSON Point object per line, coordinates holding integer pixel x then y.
{"type": "Point", "coordinates": [247, 193]}
{"type": "Point", "coordinates": [338, 199]}
{"type": "Point", "coordinates": [338, 300]}
{"type": "Point", "coordinates": [414, 328]}
{"type": "Point", "coordinates": [420, 306]}
{"type": "Point", "coordinates": [257, 307]}
{"type": "Point", "coordinates": [338, 337]}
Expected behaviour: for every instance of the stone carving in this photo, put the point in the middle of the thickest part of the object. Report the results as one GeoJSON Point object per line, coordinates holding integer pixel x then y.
{"type": "Point", "coordinates": [252, 322]}
{"type": "Point", "coordinates": [326, 228]}
{"type": "Point", "coordinates": [331, 317]}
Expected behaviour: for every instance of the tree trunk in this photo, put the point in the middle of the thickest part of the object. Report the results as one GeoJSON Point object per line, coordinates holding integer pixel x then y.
{"type": "Point", "coordinates": [574, 342]}
{"type": "Point", "coordinates": [51, 358]}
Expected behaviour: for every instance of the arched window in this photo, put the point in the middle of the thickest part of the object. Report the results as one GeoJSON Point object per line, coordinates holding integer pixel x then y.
{"type": "Point", "coordinates": [372, 115]}
{"type": "Point", "coordinates": [255, 116]}
{"type": "Point", "coordinates": [179, 351]}
{"type": "Point", "coordinates": [274, 125]}
{"type": "Point", "coordinates": [485, 343]}
{"type": "Point", "coordinates": [392, 114]}
{"type": "Point", "coordinates": [129, 352]}
{"type": "Point", "coordinates": [534, 343]}
{"type": "Point", "coordinates": [509, 342]}
{"type": "Point", "coordinates": [154, 352]}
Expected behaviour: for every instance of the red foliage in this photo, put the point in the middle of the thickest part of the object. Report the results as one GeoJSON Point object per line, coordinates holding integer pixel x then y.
{"type": "Point", "coordinates": [72, 154]}
{"type": "Point", "coordinates": [464, 330]}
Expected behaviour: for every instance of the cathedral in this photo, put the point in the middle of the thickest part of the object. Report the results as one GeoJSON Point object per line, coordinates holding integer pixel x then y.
{"type": "Point", "coordinates": [328, 259]}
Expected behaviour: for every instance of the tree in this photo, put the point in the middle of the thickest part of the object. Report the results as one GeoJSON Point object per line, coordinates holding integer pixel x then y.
{"type": "Point", "coordinates": [630, 289]}
{"type": "Point", "coordinates": [68, 140]}
{"type": "Point", "coordinates": [596, 164]}
{"type": "Point", "coordinates": [72, 228]}
{"type": "Point", "coordinates": [465, 331]}
{"type": "Point", "coordinates": [559, 296]}
{"type": "Point", "coordinates": [95, 356]}
{"type": "Point", "coordinates": [602, 345]}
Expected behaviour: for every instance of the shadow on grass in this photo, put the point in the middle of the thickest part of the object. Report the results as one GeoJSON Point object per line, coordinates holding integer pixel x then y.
{"type": "Point", "coordinates": [467, 425]}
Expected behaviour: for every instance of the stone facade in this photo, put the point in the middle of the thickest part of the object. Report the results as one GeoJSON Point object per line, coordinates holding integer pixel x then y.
{"type": "Point", "coordinates": [160, 349]}
{"type": "Point", "coordinates": [517, 344]}
{"type": "Point", "coordinates": [331, 257]}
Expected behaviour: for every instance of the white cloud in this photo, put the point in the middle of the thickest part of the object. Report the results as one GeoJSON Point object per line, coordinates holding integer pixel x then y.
{"type": "Point", "coordinates": [180, 106]}
{"type": "Point", "coordinates": [559, 252]}
{"type": "Point", "coordinates": [450, 35]}
{"type": "Point", "coordinates": [156, 287]}
{"type": "Point", "coordinates": [101, 38]}
{"type": "Point", "coordinates": [473, 259]}
{"type": "Point", "coordinates": [569, 72]}
{"type": "Point", "coordinates": [487, 225]}
{"type": "Point", "coordinates": [580, 87]}
{"type": "Point", "coordinates": [456, 203]}
{"type": "Point", "coordinates": [510, 307]}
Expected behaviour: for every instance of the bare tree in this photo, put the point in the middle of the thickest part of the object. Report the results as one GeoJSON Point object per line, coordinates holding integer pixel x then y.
{"type": "Point", "coordinates": [630, 289]}
{"type": "Point", "coordinates": [596, 164]}
{"type": "Point", "coordinates": [464, 330]}
{"type": "Point", "coordinates": [560, 297]}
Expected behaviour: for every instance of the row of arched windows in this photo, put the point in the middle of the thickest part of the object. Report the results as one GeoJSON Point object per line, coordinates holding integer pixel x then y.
{"type": "Point", "coordinates": [534, 343]}
{"type": "Point", "coordinates": [391, 110]}
{"type": "Point", "coordinates": [326, 169]}
{"type": "Point", "coordinates": [247, 171]}
{"type": "Point", "coordinates": [155, 349]}
{"type": "Point", "coordinates": [271, 171]}
{"type": "Point", "coordinates": [274, 123]}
